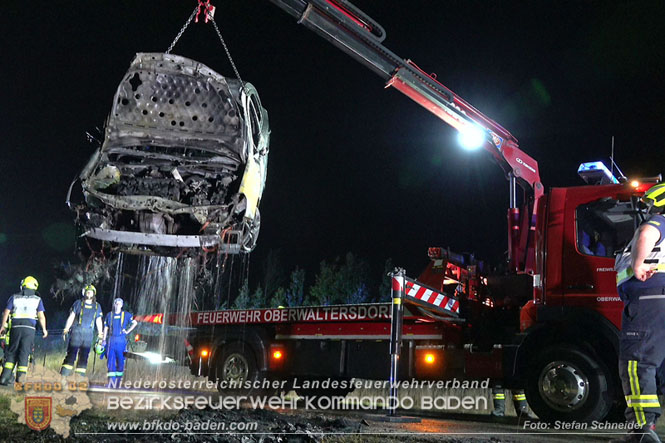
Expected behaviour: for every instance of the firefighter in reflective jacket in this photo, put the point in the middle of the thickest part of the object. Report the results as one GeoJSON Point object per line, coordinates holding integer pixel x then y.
{"type": "Point", "coordinates": [4, 339]}
{"type": "Point", "coordinates": [117, 325]}
{"type": "Point", "coordinates": [84, 315]}
{"type": "Point", "coordinates": [641, 286]}
{"type": "Point", "coordinates": [25, 308]}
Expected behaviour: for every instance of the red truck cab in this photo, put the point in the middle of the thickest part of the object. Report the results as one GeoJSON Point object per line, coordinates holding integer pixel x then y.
{"type": "Point", "coordinates": [558, 326]}
{"type": "Point", "coordinates": [569, 352]}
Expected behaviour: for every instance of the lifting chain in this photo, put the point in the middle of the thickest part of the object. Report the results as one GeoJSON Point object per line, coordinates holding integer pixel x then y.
{"type": "Point", "coordinates": [228, 53]}
{"type": "Point", "coordinates": [207, 9]}
{"type": "Point", "coordinates": [182, 30]}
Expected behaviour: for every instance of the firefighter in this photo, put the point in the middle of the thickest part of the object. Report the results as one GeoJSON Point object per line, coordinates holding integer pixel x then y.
{"type": "Point", "coordinates": [25, 308]}
{"type": "Point", "coordinates": [499, 401]}
{"type": "Point", "coordinates": [84, 316]}
{"type": "Point", "coordinates": [117, 325]}
{"type": "Point", "coordinates": [641, 286]}
{"type": "Point", "coordinates": [4, 340]}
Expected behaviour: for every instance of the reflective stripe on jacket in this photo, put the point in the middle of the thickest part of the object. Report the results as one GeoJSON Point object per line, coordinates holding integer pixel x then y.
{"type": "Point", "coordinates": [655, 258]}
{"type": "Point", "coordinates": [25, 306]}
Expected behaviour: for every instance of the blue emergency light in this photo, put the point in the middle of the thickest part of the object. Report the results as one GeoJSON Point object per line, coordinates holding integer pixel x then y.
{"type": "Point", "coordinates": [596, 173]}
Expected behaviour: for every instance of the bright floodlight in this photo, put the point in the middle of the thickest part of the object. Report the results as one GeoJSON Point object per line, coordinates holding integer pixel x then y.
{"type": "Point", "coordinates": [471, 137]}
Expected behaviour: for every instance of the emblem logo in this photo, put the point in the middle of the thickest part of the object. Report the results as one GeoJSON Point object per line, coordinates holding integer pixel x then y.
{"type": "Point", "coordinates": [38, 412]}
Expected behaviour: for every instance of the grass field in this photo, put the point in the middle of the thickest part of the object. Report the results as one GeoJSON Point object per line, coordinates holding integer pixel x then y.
{"type": "Point", "coordinates": [50, 353]}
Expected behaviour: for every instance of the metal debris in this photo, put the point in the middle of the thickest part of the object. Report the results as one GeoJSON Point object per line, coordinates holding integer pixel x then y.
{"type": "Point", "coordinates": [183, 161]}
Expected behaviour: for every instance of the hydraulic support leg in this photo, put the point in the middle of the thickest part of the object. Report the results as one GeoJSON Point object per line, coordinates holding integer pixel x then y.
{"type": "Point", "coordinates": [398, 287]}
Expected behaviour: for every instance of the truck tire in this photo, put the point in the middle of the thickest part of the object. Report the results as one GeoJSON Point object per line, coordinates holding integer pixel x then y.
{"type": "Point", "coordinates": [236, 363]}
{"type": "Point", "coordinates": [567, 383]}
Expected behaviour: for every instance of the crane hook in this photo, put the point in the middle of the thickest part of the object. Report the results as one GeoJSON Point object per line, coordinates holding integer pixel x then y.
{"type": "Point", "coordinates": [207, 8]}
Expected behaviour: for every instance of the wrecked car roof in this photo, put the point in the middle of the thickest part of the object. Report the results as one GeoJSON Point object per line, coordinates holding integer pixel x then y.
{"type": "Point", "coordinates": [169, 100]}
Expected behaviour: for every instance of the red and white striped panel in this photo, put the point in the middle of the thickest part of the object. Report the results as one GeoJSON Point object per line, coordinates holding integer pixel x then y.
{"type": "Point", "coordinates": [189, 347]}
{"type": "Point", "coordinates": [431, 297]}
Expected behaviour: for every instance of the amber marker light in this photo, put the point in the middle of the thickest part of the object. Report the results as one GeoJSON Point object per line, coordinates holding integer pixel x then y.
{"type": "Point", "coordinates": [429, 358]}
{"type": "Point", "coordinates": [277, 355]}
{"type": "Point", "coordinates": [204, 353]}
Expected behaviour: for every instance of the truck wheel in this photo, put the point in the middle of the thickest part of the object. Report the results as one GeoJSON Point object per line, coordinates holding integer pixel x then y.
{"type": "Point", "coordinates": [567, 383]}
{"type": "Point", "coordinates": [236, 364]}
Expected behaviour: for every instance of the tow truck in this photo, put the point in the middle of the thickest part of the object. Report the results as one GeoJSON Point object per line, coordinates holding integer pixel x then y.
{"type": "Point", "coordinates": [550, 323]}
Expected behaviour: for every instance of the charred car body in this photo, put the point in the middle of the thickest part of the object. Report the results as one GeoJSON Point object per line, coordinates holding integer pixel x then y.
{"type": "Point", "coordinates": [183, 161]}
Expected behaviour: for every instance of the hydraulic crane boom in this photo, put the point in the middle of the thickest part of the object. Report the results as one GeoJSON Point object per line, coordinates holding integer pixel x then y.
{"type": "Point", "coordinates": [352, 31]}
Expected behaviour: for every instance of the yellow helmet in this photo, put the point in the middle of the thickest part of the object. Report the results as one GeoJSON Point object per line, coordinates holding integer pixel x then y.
{"type": "Point", "coordinates": [89, 288]}
{"type": "Point", "coordinates": [30, 282]}
{"type": "Point", "coordinates": [655, 196]}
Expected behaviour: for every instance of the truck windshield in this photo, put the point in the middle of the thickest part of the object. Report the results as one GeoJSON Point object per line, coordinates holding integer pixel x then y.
{"type": "Point", "coordinates": [605, 226]}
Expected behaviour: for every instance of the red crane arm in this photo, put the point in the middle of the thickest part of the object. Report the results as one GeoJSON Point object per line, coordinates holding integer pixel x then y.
{"type": "Point", "coordinates": [355, 33]}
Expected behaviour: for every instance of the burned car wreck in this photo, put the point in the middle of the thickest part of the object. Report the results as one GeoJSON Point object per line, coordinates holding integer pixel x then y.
{"type": "Point", "coordinates": [182, 163]}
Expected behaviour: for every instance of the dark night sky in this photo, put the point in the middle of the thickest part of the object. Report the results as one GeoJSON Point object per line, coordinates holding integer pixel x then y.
{"type": "Point", "coordinates": [353, 167]}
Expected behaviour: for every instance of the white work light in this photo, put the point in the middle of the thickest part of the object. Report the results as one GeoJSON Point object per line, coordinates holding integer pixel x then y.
{"type": "Point", "coordinates": [471, 137]}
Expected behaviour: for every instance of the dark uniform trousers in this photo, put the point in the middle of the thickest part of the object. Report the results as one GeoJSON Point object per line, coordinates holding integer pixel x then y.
{"type": "Point", "coordinates": [642, 348]}
{"type": "Point", "coordinates": [20, 348]}
{"type": "Point", "coordinates": [79, 346]}
{"type": "Point", "coordinates": [499, 401]}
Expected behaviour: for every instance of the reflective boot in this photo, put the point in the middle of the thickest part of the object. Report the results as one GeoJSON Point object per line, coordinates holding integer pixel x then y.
{"type": "Point", "coordinates": [6, 377]}
{"type": "Point", "coordinates": [521, 406]}
{"type": "Point", "coordinates": [499, 402]}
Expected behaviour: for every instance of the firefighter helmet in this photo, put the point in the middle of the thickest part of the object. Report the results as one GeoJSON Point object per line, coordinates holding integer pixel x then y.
{"type": "Point", "coordinates": [655, 196]}
{"type": "Point", "coordinates": [87, 288]}
{"type": "Point", "coordinates": [30, 282]}
{"type": "Point", "coordinates": [99, 348]}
